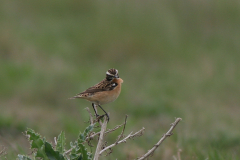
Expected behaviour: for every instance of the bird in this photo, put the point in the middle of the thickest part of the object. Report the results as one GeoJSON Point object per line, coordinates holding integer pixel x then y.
{"type": "Point", "coordinates": [103, 92]}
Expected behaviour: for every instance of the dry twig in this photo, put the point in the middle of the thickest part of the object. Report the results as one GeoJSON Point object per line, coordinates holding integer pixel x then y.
{"type": "Point", "coordinates": [108, 131]}
{"type": "Point", "coordinates": [179, 154]}
{"type": "Point", "coordinates": [121, 135]}
{"type": "Point", "coordinates": [139, 133]}
{"type": "Point", "coordinates": [68, 151]}
{"type": "Point", "coordinates": [168, 134]}
{"type": "Point", "coordinates": [90, 115]}
{"type": "Point", "coordinates": [55, 141]}
{"type": "Point", "coordinates": [101, 146]}
{"type": "Point", "coordinates": [100, 141]}
{"type": "Point", "coordinates": [2, 151]}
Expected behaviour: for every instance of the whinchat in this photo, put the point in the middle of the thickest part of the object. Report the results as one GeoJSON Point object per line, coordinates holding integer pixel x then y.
{"type": "Point", "coordinates": [104, 92]}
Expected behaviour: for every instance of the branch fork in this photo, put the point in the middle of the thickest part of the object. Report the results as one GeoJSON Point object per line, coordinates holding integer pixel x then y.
{"type": "Point", "coordinates": [101, 146]}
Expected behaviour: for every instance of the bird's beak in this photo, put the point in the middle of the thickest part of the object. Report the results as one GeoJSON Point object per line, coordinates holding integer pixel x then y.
{"type": "Point", "coordinates": [116, 76]}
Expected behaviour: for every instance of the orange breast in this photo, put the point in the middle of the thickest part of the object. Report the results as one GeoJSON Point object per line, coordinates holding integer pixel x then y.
{"type": "Point", "coordinates": [107, 96]}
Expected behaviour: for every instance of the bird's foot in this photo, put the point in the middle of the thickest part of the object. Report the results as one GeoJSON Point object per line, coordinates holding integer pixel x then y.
{"type": "Point", "coordinates": [100, 117]}
{"type": "Point", "coordinates": [107, 117]}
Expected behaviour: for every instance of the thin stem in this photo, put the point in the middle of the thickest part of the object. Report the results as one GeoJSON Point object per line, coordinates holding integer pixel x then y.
{"type": "Point", "coordinates": [168, 134]}
{"type": "Point", "coordinates": [100, 141]}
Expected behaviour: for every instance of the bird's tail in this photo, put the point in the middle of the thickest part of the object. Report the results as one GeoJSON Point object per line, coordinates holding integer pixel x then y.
{"type": "Point", "coordinates": [77, 96]}
{"type": "Point", "coordinates": [73, 97]}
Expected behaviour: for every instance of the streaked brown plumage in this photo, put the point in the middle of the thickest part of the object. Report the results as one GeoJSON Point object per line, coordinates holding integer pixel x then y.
{"type": "Point", "coordinates": [104, 92]}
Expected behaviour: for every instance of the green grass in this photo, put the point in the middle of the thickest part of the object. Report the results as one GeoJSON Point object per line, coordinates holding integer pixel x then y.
{"type": "Point", "coordinates": [177, 59]}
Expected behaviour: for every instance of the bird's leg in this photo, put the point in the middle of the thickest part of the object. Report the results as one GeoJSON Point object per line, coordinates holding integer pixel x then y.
{"type": "Point", "coordinates": [93, 105]}
{"type": "Point", "coordinates": [105, 113]}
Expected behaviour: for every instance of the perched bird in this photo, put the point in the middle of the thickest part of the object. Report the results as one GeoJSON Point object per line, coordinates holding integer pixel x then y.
{"type": "Point", "coordinates": [104, 92]}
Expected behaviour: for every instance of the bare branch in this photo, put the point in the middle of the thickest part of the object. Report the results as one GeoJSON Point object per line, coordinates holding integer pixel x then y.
{"type": "Point", "coordinates": [108, 131]}
{"type": "Point", "coordinates": [179, 154]}
{"type": "Point", "coordinates": [115, 128]}
{"type": "Point", "coordinates": [174, 158]}
{"type": "Point", "coordinates": [100, 141]}
{"type": "Point", "coordinates": [121, 135]}
{"type": "Point", "coordinates": [55, 141]}
{"type": "Point", "coordinates": [139, 133]}
{"type": "Point", "coordinates": [68, 151]}
{"type": "Point", "coordinates": [98, 133]}
{"type": "Point", "coordinates": [168, 134]}
{"type": "Point", "coordinates": [3, 151]}
{"type": "Point", "coordinates": [90, 115]}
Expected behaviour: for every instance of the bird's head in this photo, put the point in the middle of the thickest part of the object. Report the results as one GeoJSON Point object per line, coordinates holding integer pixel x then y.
{"type": "Point", "coordinates": [111, 74]}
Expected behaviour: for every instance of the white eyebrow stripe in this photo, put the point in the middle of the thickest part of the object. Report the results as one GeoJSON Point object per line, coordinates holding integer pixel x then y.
{"type": "Point", "coordinates": [109, 73]}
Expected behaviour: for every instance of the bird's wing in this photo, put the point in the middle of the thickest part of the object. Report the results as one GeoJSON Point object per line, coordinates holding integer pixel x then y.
{"type": "Point", "coordinates": [102, 86]}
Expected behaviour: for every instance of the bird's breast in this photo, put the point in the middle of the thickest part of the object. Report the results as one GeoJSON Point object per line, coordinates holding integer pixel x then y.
{"type": "Point", "coordinates": [107, 96]}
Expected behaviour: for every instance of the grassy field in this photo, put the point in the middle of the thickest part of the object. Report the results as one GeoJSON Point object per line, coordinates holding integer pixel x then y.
{"type": "Point", "coordinates": [177, 59]}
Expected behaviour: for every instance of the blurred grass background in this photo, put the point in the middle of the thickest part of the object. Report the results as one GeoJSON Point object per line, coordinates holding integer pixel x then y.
{"type": "Point", "coordinates": [177, 59]}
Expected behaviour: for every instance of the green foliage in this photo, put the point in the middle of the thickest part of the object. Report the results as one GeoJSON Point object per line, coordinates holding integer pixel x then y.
{"type": "Point", "coordinates": [45, 150]}
{"type": "Point", "coordinates": [75, 151]}
{"type": "Point", "coordinates": [61, 142]}
{"type": "Point", "coordinates": [79, 147]}
{"type": "Point", "coordinates": [82, 136]}
{"type": "Point", "coordinates": [37, 143]}
{"type": "Point", "coordinates": [51, 153]}
{"type": "Point", "coordinates": [22, 157]}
